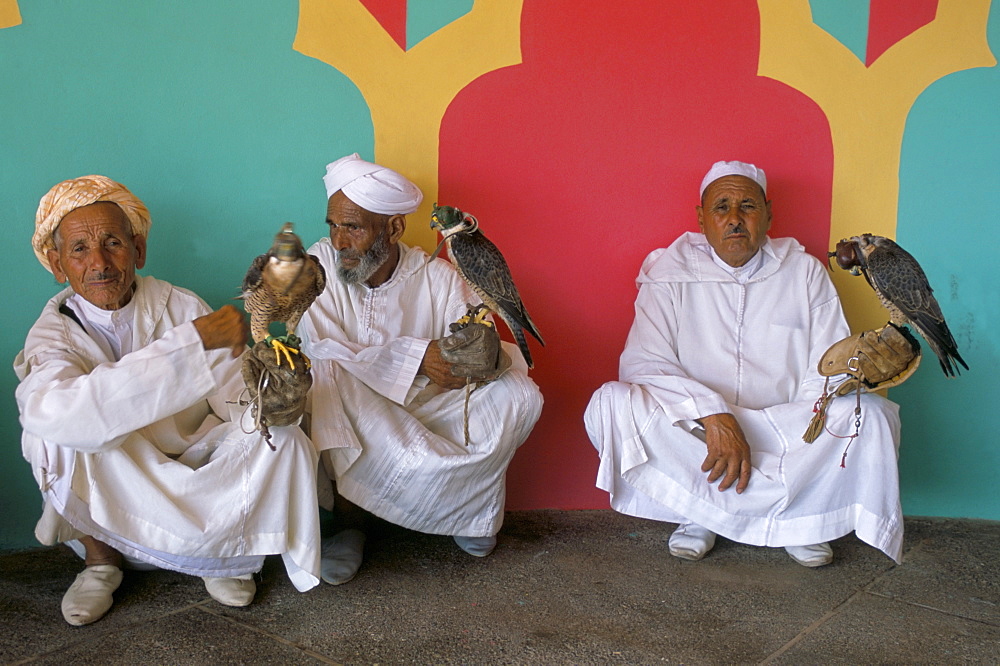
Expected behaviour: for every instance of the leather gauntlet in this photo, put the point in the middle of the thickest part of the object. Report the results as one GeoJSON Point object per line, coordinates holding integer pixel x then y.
{"type": "Point", "coordinates": [282, 389]}
{"type": "Point", "coordinates": [878, 359]}
{"type": "Point", "coordinates": [473, 349]}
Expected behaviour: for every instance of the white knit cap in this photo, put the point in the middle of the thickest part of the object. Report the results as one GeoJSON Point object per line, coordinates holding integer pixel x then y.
{"type": "Point", "coordinates": [720, 169]}
{"type": "Point", "coordinates": [373, 187]}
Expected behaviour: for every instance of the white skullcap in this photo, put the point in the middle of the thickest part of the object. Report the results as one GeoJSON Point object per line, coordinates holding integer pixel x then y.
{"type": "Point", "coordinates": [371, 186]}
{"type": "Point", "coordinates": [720, 169]}
{"type": "Point", "coordinates": [69, 195]}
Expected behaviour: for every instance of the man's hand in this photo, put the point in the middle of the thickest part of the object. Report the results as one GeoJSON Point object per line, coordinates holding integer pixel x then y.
{"type": "Point", "coordinates": [728, 452]}
{"type": "Point", "coordinates": [226, 327]}
{"type": "Point", "coordinates": [439, 370]}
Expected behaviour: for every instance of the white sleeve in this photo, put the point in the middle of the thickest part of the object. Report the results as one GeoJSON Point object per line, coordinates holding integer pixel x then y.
{"type": "Point", "coordinates": [64, 401]}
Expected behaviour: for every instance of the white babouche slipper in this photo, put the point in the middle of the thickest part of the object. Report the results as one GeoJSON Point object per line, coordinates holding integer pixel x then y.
{"type": "Point", "coordinates": [815, 555]}
{"type": "Point", "coordinates": [691, 542]}
{"type": "Point", "coordinates": [90, 595]}
{"type": "Point", "coordinates": [237, 591]}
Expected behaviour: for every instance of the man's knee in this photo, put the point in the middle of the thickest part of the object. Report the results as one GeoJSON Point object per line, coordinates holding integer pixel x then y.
{"type": "Point", "coordinates": [520, 391]}
{"type": "Point", "coordinates": [603, 404]}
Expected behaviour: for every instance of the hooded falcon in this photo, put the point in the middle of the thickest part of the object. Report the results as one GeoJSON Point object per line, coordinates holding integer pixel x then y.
{"type": "Point", "coordinates": [280, 286]}
{"type": "Point", "coordinates": [902, 287]}
{"type": "Point", "coordinates": [480, 264]}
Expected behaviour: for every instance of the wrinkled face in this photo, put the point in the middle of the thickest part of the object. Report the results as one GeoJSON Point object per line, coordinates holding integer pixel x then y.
{"type": "Point", "coordinates": [734, 217]}
{"type": "Point", "coordinates": [359, 237]}
{"type": "Point", "coordinates": [97, 252]}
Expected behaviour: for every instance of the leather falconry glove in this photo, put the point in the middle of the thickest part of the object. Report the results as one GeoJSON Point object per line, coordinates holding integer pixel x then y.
{"type": "Point", "coordinates": [474, 352]}
{"type": "Point", "coordinates": [277, 392]}
{"type": "Point", "coordinates": [474, 349]}
{"type": "Point", "coordinates": [873, 361]}
{"type": "Point", "coordinates": [878, 359]}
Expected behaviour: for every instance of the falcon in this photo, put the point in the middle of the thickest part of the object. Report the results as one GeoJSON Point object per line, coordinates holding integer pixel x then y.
{"type": "Point", "coordinates": [480, 264]}
{"type": "Point", "coordinates": [902, 287]}
{"type": "Point", "coordinates": [279, 286]}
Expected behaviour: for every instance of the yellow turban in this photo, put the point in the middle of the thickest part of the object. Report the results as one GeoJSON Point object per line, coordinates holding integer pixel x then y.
{"type": "Point", "coordinates": [69, 195]}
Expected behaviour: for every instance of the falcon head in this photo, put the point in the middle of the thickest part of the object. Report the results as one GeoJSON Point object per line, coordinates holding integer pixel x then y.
{"type": "Point", "coordinates": [285, 259]}
{"type": "Point", "coordinates": [852, 252]}
{"type": "Point", "coordinates": [287, 246]}
{"type": "Point", "coordinates": [450, 220]}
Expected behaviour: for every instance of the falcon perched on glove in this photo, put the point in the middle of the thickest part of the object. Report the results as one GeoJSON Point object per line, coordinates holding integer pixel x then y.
{"type": "Point", "coordinates": [904, 291]}
{"type": "Point", "coordinates": [280, 286]}
{"type": "Point", "coordinates": [478, 261]}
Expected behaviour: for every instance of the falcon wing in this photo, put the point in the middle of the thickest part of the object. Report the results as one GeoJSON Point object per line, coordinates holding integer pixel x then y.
{"type": "Point", "coordinates": [894, 272]}
{"type": "Point", "coordinates": [896, 275]}
{"type": "Point", "coordinates": [485, 266]}
{"type": "Point", "coordinates": [255, 274]}
{"type": "Point", "coordinates": [320, 274]}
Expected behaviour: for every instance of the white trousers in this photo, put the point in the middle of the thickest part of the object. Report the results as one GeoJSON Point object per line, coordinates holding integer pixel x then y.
{"type": "Point", "coordinates": [216, 512]}
{"type": "Point", "coordinates": [409, 464]}
{"type": "Point", "coordinates": [798, 493]}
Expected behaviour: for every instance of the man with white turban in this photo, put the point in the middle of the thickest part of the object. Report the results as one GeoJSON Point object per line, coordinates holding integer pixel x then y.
{"type": "Point", "coordinates": [128, 399]}
{"type": "Point", "coordinates": [385, 414]}
{"type": "Point", "coordinates": [722, 360]}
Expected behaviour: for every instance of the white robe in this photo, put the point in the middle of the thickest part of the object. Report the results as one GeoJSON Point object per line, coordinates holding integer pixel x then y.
{"type": "Point", "coordinates": [394, 440]}
{"type": "Point", "coordinates": [702, 344]}
{"type": "Point", "coordinates": [146, 453]}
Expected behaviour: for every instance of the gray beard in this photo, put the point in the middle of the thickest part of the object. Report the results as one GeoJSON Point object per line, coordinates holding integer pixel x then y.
{"type": "Point", "coordinates": [369, 262]}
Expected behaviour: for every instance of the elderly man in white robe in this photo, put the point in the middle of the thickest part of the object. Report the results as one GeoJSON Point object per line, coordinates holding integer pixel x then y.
{"type": "Point", "coordinates": [718, 381]}
{"type": "Point", "coordinates": [386, 408]}
{"type": "Point", "coordinates": [128, 396]}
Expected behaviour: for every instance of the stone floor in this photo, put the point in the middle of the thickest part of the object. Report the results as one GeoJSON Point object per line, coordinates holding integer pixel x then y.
{"type": "Point", "coordinates": [563, 587]}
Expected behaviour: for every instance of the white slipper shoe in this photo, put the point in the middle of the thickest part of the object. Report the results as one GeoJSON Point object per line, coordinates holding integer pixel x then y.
{"type": "Point", "coordinates": [816, 555]}
{"type": "Point", "coordinates": [691, 542]}
{"type": "Point", "coordinates": [236, 592]}
{"type": "Point", "coordinates": [341, 556]}
{"type": "Point", "coordinates": [90, 595]}
{"type": "Point", "coordinates": [477, 546]}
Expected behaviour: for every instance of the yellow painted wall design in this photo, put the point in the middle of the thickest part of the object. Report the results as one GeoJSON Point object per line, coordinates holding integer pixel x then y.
{"type": "Point", "coordinates": [867, 108]}
{"type": "Point", "coordinates": [409, 91]}
{"type": "Point", "coordinates": [9, 14]}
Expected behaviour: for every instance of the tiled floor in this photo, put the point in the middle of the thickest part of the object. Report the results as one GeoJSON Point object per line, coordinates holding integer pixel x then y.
{"type": "Point", "coordinates": [580, 587]}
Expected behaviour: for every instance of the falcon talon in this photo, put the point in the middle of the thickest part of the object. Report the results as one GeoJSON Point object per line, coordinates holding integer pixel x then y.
{"type": "Point", "coordinates": [280, 348]}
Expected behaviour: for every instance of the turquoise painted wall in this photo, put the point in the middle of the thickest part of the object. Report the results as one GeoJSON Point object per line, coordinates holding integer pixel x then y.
{"type": "Point", "coordinates": [207, 113]}
{"type": "Point", "coordinates": [202, 109]}
{"type": "Point", "coordinates": [949, 179]}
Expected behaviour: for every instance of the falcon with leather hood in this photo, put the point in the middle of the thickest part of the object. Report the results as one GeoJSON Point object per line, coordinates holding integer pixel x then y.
{"type": "Point", "coordinates": [903, 288]}
{"type": "Point", "coordinates": [478, 261]}
{"type": "Point", "coordinates": [279, 286]}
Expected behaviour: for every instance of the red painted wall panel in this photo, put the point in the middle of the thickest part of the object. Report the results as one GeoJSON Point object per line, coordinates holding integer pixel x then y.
{"type": "Point", "coordinates": [889, 21]}
{"type": "Point", "coordinates": [593, 148]}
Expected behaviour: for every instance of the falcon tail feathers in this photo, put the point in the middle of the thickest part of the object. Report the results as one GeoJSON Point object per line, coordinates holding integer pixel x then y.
{"type": "Point", "coordinates": [941, 341]}
{"type": "Point", "coordinates": [530, 328]}
{"type": "Point", "coordinates": [522, 344]}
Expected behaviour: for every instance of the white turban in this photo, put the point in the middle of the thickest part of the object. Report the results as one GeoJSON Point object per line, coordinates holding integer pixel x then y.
{"type": "Point", "coordinates": [69, 195]}
{"type": "Point", "coordinates": [371, 186]}
{"type": "Point", "coordinates": [720, 169]}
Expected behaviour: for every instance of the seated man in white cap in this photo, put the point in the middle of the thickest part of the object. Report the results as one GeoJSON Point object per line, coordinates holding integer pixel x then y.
{"type": "Point", "coordinates": [722, 360]}
{"type": "Point", "coordinates": [128, 395]}
{"type": "Point", "coordinates": [384, 410]}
